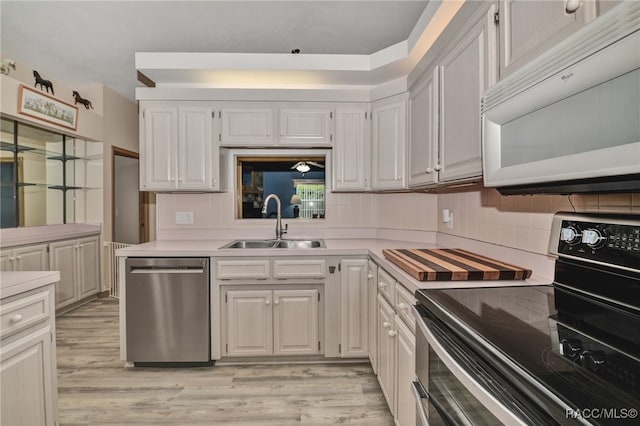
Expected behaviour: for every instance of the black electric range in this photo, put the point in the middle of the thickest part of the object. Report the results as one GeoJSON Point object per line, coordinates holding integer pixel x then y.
{"type": "Point", "coordinates": [569, 353]}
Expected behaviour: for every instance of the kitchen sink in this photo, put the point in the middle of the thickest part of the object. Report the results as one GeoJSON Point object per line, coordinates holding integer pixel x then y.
{"type": "Point", "coordinates": [274, 244]}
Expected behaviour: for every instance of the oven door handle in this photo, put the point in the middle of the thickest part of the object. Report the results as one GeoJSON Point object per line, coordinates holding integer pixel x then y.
{"type": "Point", "coordinates": [421, 393]}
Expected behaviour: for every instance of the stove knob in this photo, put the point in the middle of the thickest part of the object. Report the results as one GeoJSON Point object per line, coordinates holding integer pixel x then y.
{"type": "Point", "coordinates": [570, 348]}
{"type": "Point", "coordinates": [592, 360]}
{"type": "Point", "coordinates": [570, 235]}
{"type": "Point", "coordinates": [593, 238]}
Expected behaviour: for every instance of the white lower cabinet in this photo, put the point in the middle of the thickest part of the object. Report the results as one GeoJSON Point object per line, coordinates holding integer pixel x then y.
{"type": "Point", "coordinates": [78, 261]}
{"type": "Point", "coordinates": [25, 258]}
{"type": "Point", "coordinates": [27, 359]}
{"type": "Point", "coordinates": [354, 313]}
{"type": "Point", "coordinates": [396, 349]}
{"type": "Point", "coordinates": [372, 307]}
{"type": "Point", "coordinates": [272, 322]}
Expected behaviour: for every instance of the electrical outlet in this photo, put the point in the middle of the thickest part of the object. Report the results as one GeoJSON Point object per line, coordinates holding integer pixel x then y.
{"type": "Point", "coordinates": [447, 217]}
{"type": "Point", "coordinates": [184, 218]}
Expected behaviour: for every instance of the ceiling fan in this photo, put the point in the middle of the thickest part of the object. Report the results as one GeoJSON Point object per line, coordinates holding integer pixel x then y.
{"type": "Point", "coordinates": [303, 166]}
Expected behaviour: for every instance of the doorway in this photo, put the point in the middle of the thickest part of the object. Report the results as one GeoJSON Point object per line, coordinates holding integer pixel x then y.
{"type": "Point", "coordinates": [130, 206]}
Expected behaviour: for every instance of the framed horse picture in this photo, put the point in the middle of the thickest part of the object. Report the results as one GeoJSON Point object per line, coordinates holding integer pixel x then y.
{"type": "Point", "coordinates": [44, 107]}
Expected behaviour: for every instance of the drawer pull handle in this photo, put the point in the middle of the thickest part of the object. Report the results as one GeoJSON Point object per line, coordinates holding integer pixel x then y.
{"type": "Point", "coordinates": [16, 318]}
{"type": "Point", "coordinates": [392, 333]}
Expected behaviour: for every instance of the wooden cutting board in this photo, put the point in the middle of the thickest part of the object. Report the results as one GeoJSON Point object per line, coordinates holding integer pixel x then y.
{"type": "Point", "coordinates": [453, 265]}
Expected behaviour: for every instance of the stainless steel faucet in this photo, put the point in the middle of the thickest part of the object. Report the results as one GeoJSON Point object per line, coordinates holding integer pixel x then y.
{"type": "Point", "coordinates": [279, 230]}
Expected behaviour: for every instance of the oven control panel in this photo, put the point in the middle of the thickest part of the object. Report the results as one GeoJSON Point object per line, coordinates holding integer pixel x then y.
{"type": "Point", "coordinates": [616, 244]}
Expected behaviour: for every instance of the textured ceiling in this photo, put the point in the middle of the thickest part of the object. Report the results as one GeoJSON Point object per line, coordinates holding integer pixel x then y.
{"type": "Point", "coordinates": [93, 42]}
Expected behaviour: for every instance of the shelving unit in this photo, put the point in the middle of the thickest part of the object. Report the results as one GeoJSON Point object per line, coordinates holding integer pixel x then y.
{"type": "Point", "coordinates": [43, 172]}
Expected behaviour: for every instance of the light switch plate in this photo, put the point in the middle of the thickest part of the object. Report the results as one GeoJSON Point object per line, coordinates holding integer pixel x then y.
{"type": "Point", "coordinates": [184, 218]}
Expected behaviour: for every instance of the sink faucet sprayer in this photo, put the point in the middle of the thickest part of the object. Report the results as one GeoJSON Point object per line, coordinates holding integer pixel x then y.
{"type": "Point", "coordinates": [279, 230]}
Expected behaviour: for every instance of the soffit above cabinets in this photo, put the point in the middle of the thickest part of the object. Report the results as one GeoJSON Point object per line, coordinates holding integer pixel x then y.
{"type": "Point", "coordinates": [238, 44]}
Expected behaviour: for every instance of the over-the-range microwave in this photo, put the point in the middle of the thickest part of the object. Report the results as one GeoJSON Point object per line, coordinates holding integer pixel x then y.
{"type": "Point", "coordinates": [569, 121]}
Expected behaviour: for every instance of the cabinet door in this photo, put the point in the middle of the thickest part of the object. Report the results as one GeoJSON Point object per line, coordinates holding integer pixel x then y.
{"type": "Point", "coordinates": [372, 323]}
{"type": "Point", "coordinates": [423, 135]}
{"type": "Point", "coordinates": [6, 260]}
{"type": "Point", "coordinates": [88, 267]}
{"type": "Point", "coordinates": [26, 379]}
{"type": "Point", "coordinates": [464, 75]}
{"type": "Point", "coordinates": [159, 149]}
{"type": "Point", "coordinates": [247, 126]}
{"type": "Point", "coordinates": [295, 322]}
{"type": "Point", "coordinates": [528, 28]}
{"type": "Point", "coordinates": [249, 323]}
{"type": "Point", "coordinates": [195, 169]}
{"type": "Point", "coordinates": [62, 257]}
{"type": "Point", "coordinates": [31, 258]}
{"type": "Point", "coordinates": [305, 127]}
{"type": "Point", "coordinates": [351, 160]}
{"type": "Point", "coordinates": [354, 315]}
{"type": "Point", "coordinates": [386, 352]}
{"type": "Point", "coordinates": [405, 374]}
{"type": "Point", "coordinates": [389, 144]}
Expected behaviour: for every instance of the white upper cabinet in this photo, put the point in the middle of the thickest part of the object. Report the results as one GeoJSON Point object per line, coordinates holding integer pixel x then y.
{"type": "Point", "coordinates": [246, 126]}
{"type": "Point", "coordinates": [423, 135]}
{"type": "Point", "coordinates": [178, 151]}
{"type": "Point", "coordinates": [351, 148]}
{"type": "Point", "coordinates": [389, 134]}
{"type": "Point", "coordinates": [528, 28]}
{"type": "Point", "coordinates": [468, 68]}
{"type": "Point", "coordinates": [306, 127]}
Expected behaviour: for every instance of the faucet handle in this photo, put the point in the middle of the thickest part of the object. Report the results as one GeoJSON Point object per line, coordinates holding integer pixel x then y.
{"type": "Point", "coordinates": [286, 228]}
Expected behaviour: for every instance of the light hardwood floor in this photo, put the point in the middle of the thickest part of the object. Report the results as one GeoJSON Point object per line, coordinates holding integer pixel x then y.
{"type": "Point", "coordinates": [95, 388]}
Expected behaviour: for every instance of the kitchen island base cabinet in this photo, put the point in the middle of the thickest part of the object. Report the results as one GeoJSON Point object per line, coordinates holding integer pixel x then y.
{"type": "Point", "coordinates": [28, 359]}
{"type": "Point", "coordinates": [280, 322]}
{"type": "Point", "coordinates": [25, 258]}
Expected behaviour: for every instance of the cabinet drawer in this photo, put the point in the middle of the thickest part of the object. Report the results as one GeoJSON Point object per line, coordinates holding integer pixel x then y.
{"type": "Point", "coordinates": [22, 313]}
{"type": "Point", "coordinates": [293, 268]}
{"type": "Point", "coordinates": [404, 302]}
{"type": "Point", "coordinates": [386, 285]}
{"type": "Point", "coordinates": [243, 269]}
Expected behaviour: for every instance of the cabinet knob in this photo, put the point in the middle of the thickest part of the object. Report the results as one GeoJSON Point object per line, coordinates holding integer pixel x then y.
{"type": "Point", "coordinates": [571, 6]}
{"type": "Point", "coordinates": [382, 285]}
{"type": "Point", "coordinates": [386, 324]}
{"type": "Point", "coordinates": [267, 302]}
{"type": "Point", "coordinates": [16, 318]}
{"type": "Point", "coordinates": [392, 333]}
{"type": "Point", "coordinates": [402, 306]}
{"type": "Point", "coordinates": [437, 167]}
{"type": "Point", "coordinates": [276, 302]}
{"type": "Point", "coordinates": [369, 275]}
{"type": "Point", "coordinates": [429, 170]}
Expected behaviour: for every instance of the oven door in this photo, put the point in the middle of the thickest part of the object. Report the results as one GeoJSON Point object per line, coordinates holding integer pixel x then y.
{"type": "Point", "coordinates": [454, 386]}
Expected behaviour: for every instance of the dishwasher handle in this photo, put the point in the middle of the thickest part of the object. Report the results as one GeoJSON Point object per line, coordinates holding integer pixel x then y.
{"type": "Point", "coordinates": [151, 270]}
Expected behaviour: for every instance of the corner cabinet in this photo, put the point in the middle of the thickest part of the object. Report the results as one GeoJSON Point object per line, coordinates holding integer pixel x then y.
{"type": "Point", "coordinates": [423, 163]}
{"type": "Point", "coordinates": [78, 263]}
{"type": "Point", "coordinates": [177, 148]}
{"type": "Point", "coordinates": [389, 138]}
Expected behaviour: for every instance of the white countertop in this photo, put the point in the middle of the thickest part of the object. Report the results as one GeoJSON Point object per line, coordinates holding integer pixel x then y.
{"type": "Point", "coordinates": [12, 283]}
{"type": "Point", "coordinates": [341, 247]}
{"type": "Point", "coordinates": [11, 237]}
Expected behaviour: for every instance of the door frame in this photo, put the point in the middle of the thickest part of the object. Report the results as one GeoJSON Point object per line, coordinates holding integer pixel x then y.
{"type": "Point", "coordinates": [143, 200]}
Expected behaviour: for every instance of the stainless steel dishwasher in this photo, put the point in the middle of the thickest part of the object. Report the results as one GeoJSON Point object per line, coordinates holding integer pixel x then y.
{"type": "Point", "coordinates": [167, 311]}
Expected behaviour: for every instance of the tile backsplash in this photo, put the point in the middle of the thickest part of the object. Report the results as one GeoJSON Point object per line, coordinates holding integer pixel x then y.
{"type": "Point", "coordinates": [522, 222]}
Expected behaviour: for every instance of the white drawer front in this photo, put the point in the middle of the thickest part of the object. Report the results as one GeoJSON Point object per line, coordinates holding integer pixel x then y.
{"type": "Point", "coordinates": [294, 268]}
{"type": "Point", "coordinates": [24, 312]}
{"type": "Point", "coordinates": [243, 269]}
{"type": "Point", "coordinates": [386, 285]}
{"type": "Point", "coordinates": [404, 302]}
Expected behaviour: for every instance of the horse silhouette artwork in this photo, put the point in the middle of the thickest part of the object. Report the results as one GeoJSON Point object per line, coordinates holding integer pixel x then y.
{"type": "Point", "coordinates": [79, 99]}
{"type": "Point", "coordinates": [44, 84]}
